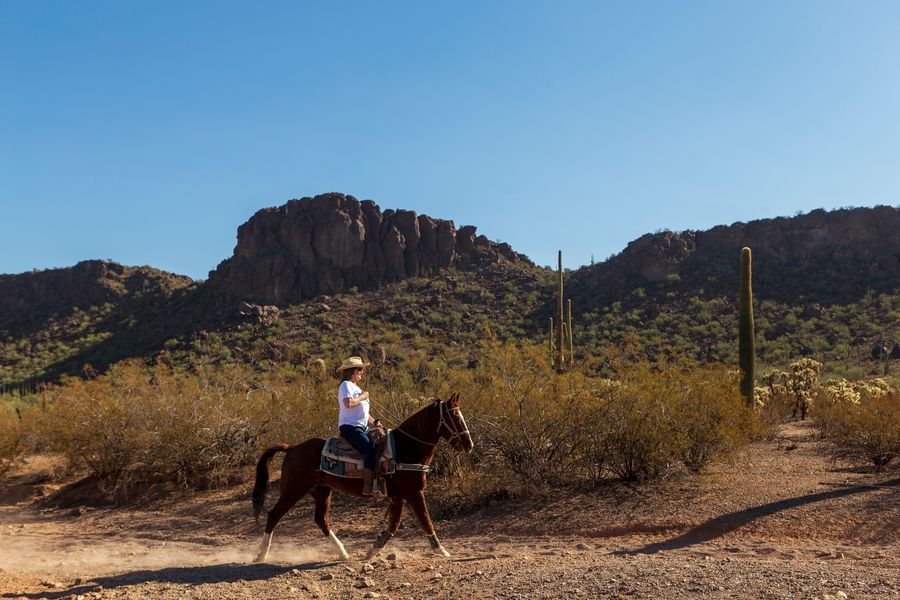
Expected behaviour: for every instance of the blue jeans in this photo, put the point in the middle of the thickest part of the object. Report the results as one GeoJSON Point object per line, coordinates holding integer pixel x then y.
{"type": "Point", "coordinates": [360, 440]}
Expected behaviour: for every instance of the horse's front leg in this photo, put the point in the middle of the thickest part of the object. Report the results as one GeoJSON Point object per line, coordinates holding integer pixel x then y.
{"type": "Point", "coordinates": [417, 503]}
{"type": "Point", "coordinates": [395, 509]}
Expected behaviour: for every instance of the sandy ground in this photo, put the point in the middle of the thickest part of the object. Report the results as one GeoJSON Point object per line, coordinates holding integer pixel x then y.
{"type": "Point", "coordinates": [781, 522]}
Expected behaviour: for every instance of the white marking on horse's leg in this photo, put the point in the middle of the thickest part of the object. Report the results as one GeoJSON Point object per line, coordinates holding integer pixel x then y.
{"type": "Point", "coordinates": [437, 547]}
{"type": "Point", "coordinates": [264, 548]}
{"type": "Point", "coordinates": [337, 544]}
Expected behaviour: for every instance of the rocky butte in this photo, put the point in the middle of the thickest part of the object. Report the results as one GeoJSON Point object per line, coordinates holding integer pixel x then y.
{"type": "Point", "coordinates": [333, 243]}
{"type": "Point", "coordinates": [820, 256]}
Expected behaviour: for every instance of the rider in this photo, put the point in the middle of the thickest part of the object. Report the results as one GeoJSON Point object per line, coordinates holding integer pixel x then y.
{"type": "Point", "coordinates": [354, 420]}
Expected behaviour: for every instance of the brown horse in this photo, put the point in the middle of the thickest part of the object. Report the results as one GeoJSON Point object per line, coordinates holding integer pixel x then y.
{"type": "Point", "coordinates": [416, 440]}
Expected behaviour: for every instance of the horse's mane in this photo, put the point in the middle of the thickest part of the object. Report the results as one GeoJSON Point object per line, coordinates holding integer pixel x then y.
{"type": "Point", "coordinates": [417, 419]}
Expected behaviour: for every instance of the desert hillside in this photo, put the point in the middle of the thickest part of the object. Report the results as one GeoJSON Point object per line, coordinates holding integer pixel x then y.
{"type": "Point", "coordinates": [826, 285]}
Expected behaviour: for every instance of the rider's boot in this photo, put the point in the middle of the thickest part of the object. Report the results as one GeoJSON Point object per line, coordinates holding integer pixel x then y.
{"type": "Point", "coordinates": [368, 482]}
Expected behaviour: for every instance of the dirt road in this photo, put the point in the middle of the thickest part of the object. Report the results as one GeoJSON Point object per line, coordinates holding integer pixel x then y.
{"type": "Point", "coordinates": [780, 523]}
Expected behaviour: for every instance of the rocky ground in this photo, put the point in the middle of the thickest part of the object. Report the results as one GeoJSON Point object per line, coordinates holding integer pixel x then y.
{"type": "Point", "coordinates": [781, 522]}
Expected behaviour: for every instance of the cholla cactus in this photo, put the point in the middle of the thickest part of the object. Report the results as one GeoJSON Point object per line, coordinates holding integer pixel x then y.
{"type": "Point", "coordinates": [840, 391]}
{"type": "Point", "coordinates": [762, 395]}
{"type": "Point", "coordinates": [801, 383]}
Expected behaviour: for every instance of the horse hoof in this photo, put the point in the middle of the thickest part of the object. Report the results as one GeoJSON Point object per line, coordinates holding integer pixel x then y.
{"type": "Point", "coordinates": [441, 551]}
{"type": "Point", "coordinates": [260, 558]}
{"type": "Point", "coordinates": [372, 553]}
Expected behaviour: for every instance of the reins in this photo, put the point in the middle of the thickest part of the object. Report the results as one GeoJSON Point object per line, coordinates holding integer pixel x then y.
{"type": "Point", "coordinates": [455, 433]}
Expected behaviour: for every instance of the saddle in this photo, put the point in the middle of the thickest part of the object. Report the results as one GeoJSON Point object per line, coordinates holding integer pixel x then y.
{"type": "Point", "coordinates": [341, 459]}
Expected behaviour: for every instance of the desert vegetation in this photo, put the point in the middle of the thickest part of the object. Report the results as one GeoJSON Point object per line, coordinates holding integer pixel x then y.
{"type": "Point", "coordinates": [536, 428]}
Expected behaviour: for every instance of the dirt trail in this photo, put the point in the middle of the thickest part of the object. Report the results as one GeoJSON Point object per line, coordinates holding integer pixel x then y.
{"type": "Point", "coordinates": [780, 523]}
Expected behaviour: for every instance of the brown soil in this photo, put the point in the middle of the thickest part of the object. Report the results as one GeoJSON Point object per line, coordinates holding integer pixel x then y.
{"type": "Point", "coordinates": [781, 522]}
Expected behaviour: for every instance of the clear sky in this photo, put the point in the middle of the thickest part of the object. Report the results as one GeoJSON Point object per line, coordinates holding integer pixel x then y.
{"type": "Point", "coordinates": [146, 132]}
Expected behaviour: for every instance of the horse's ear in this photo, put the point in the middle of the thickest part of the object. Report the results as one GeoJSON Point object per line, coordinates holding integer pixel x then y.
{"type": "Point", "coordinates": [454, 400]}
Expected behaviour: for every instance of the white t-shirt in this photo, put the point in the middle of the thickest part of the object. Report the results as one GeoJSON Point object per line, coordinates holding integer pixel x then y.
{"type": "Point", "coordinates": [359, 414]}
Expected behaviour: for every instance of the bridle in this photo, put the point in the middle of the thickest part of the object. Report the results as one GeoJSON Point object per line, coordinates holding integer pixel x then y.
{"type": "Point", "coordinates": [455, 432]}
{"type": "Point", "coordinates": [445, 421]}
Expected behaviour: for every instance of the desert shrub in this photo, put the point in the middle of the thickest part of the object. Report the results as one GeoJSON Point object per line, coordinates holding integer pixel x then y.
{"type": "Point", "coordinates": [527, 418]}
{"type": "Point", "coordinates": [190, 428]}
{"type": "Point", "coordinates": [12, 443]}
{"type": "Point", "coordinates": [860, 422]}
{"type": "Point", "coordinates": [533, 427]}
{"type": "Point", "coordinates": [662, 416]}
{"type": "Point", "coordinates": [549, 428]}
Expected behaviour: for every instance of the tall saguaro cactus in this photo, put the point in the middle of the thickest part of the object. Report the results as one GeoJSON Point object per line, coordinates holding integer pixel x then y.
{"type": "Point", "coordinates": [560, 333]}
{"type": "Point", "coordinates": [746, 343]}
{"type": "Point", "coordinates": [562, 350]}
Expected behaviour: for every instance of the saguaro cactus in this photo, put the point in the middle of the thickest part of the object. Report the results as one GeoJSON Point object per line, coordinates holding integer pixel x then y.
{"type": "Point", "coordinates": [560, 333]}
{"type": "Point", "coordinates": [746, 343]}
{"type": "Point", "coordinates": [552, 346]}
{"type": "Point", "coordinates": [562, 350]}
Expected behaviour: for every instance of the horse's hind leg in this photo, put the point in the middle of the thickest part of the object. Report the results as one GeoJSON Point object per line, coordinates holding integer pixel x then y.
{"type": "Point", "coordinates": [395, 509]}
{"type": "Point", "coordinates": [289, 496]}
{"type": "Point", "coordinates": [417, 503]}
{"type": "Point", "coordinates": [322, 496]}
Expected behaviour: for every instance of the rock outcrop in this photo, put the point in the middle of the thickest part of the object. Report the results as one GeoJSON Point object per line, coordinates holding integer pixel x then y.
{"type": "Point", "coordinates": [88, 283]}
{"type": "Point", "coordinates": [334, 243]}
{"type": "Point", "coordinates": [819, 257]}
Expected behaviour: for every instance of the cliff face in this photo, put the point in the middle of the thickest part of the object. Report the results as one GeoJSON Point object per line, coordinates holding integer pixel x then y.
{"type": "Point", "coordinates": [332, 243]}
{"type": "Point", "coordinates": [88, 283]}
{"type": "Point", "coordinates": [820, 256]}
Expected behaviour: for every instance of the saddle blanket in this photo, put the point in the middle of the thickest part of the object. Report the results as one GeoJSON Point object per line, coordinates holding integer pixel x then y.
{"type": "Point", "coordinates": [341, 459]}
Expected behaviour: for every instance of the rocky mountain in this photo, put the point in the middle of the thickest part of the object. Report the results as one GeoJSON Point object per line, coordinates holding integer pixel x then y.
{"type": "Point", "coordinates": [819, 257]}
{"type": "Point", "coordinates": [88, 283]}
{"type": "Point", "coordinates": [347, 276]}
{"type": "Point", "coordinates": [334, 243]}
{"type": "Point", "coordinates": [825, 285]}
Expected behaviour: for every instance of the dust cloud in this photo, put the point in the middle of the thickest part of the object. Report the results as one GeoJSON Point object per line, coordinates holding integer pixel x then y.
{"type": "Point", "coordinates": [24, 553]}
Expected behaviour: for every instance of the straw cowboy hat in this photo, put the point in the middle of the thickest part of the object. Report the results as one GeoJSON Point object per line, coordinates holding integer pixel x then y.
{"type": "Point", "coordinates": [354, 362]}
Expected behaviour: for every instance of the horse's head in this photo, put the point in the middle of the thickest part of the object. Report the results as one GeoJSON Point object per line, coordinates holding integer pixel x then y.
{"type": "Point", "coordinates": [452, 425]}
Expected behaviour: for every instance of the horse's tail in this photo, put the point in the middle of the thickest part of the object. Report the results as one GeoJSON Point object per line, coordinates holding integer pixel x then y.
{"type": "Point", "coordinates": [262, 478]}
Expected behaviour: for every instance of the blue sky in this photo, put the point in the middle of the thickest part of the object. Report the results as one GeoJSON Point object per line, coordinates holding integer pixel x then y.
{"type": "Point", "coordinates": [147, 132]}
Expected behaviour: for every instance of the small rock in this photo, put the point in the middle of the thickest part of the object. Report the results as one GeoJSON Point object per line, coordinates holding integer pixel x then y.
{"type": "Point", "coordinates": [364, 582]}
{"type": "Point", "coordinates": [406, 584]}
{"type": "Point", "coordinates": [479, 573]}
{"type": "Point", "coordinates": [391, 556]}
{"type": "Point", "coordinates": [367, 568]}
{"type": "Point", "coordinates": [437, 575]}
{"type": "Point", "coordinates": [582, 546]}
{"type": "Point", "coordinates": [293, 590]}
{"type": "Point", "coordinates": [51, 584]}
{"type": "Point", "coordinates": [372, 595]}
{"type": "Point", "coordinates": [327, 577]}
{"type": "Point", "coordinates": [349, 569]}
